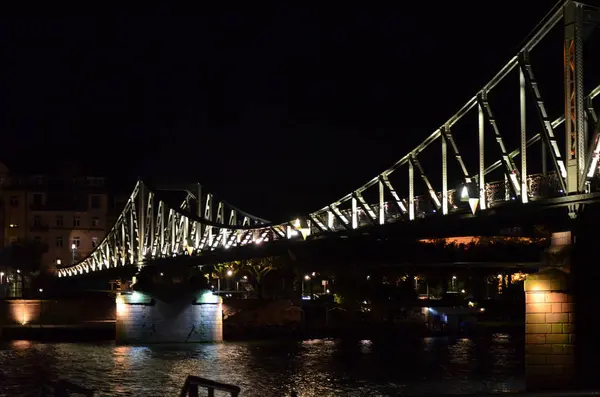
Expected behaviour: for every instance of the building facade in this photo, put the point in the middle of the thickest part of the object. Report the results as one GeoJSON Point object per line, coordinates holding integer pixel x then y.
{"type": "Point", "coordinates": [67, 213]}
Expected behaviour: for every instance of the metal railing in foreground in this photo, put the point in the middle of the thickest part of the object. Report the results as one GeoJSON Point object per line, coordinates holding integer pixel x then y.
{"type": "Point", "coordinates": [193, 384]}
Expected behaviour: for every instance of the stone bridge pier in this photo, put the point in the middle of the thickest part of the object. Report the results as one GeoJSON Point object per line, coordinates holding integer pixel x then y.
{"type": "Point", "coordinates": [142, 318]}
{"type": "Point", "coordinates": [562, 341]}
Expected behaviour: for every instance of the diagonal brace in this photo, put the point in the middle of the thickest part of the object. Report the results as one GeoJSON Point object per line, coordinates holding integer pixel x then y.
{"type": "Point", "coordinates": [547, 130]}
{"type": "Point", "coordinates": [511, 170]}
{"type": "Point", "coordinates": [338, 214]}
{"type": "Point", "coordinates": [432, 193]}
{"type": "Point", "coordinates": [447, 136]}
{"type": "Point", "coordinates": [365, 206]}
{"type": "Point", "coordinates": [397, 200]}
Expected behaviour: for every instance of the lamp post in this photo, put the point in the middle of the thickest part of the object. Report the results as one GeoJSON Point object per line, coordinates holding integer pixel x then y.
{"type": "Point", "coordinates": [306, 278]}
{"type": "Point", "coordinates": [229, 274]}
{"type": "Point", "coordinates": [73, 248]}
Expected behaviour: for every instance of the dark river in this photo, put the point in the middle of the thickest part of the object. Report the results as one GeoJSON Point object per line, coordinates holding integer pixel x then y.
{"type": "Point", "coordinates": [319, 367]}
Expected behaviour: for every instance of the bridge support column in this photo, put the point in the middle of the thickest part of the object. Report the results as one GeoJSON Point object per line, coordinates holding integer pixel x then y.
{"type": "Point", "coordinates": [142, 319]}
{"type": "Point", "coordinates": [549, 331]}
{"type": "Point", "coordinates": [586, 282]}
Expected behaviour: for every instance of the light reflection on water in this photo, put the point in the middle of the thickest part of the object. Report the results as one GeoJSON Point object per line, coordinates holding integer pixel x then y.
{"type": "Point", "coordinates": [319, 367]}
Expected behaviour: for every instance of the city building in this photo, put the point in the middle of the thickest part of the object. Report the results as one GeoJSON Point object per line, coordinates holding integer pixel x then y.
{"type": "Point", "coordinates": [66, 211]}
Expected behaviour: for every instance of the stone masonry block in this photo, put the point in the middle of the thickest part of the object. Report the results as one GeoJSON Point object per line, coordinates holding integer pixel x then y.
{"type": "Point", "coordinates": [567, 307]}
{"type": "Point", "coordinates": [536, 297]}
{"type": "Point", "coordinates": [538, 349]}
{"type": "Point", "coordinates": [556, 297]}
{"type": "Point", "coordinates": [556, 307]}
{"type": "Point", "coordinates": [556, 328]}
{"type": "Point", "coordinates": [552, 318]}
{"type": "Point", "coordinates": [535, 318]}
{"type": "Point", "coordinates": [540, 328]}
{"type": "Point", "coordinates": [536, 339]}
{"type": "Point", "coordinates": [539, 308]}
{"type": "Point", "coordinates": [557, 338]}
{"type": "Point", "coordinates": [548, 280]}
{"type": "Point", "coordinates": [537, 285]}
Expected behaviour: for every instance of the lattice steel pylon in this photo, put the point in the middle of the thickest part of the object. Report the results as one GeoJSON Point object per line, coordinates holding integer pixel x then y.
{"type": "Point", "coordinates": [149, 228]}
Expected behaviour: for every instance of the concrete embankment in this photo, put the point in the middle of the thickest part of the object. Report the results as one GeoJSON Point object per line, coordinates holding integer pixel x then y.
{"type": "Point", "coordinates": [57, 319]}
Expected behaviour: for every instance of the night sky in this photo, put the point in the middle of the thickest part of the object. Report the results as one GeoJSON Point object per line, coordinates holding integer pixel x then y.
{"type": "Point", "coordinates": [279, 110]}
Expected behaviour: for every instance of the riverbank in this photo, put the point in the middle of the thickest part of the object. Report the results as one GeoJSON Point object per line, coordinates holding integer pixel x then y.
{"type": "Point", "coordinates": [85, 332]}
{"type": "Point", "coordinates": [105, 330]}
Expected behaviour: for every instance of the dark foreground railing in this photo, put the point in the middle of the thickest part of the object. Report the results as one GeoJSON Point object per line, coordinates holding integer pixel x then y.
{"type": "Point", "coordinates": [193, 384]}
{"type": "Point", "coordinates": [64, 388]}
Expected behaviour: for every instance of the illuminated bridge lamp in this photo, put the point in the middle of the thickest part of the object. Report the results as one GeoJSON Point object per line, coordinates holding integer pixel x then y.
{"type": "Point", "coordinates": [299, 225]}
{"type": "Point", "coordinates": [468, 193]}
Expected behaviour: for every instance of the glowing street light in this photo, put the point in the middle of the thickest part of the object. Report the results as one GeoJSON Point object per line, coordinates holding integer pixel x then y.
{"type": "Point", "coordinates": [229, 273]}
{"type": "Point", "coordinates": [73, 249]}
{"type": "Point", "coordinates": [306, 278]}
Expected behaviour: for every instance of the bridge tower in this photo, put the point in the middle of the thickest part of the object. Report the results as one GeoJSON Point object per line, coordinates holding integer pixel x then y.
{"type": "Point", "coordinates": [575, 123]}
{"type": "Point", "coordinates": [581, 157]}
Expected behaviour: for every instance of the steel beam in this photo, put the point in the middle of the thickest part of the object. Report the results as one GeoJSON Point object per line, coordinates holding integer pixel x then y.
{"type": "Point", "coordinates": [576, 137]}
{"type": "Point", "coordinates": [444, 177]}
{"type": "Point", "coordinates": [481, 147]}
{"type": "Point", "coordinates": [523, 120]}
{"type": "Point", "coordinates": [411, 191]}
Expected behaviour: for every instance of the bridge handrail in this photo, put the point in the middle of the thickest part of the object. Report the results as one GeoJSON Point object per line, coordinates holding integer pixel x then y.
{"type": "Point", "coordinates": [192, 383]}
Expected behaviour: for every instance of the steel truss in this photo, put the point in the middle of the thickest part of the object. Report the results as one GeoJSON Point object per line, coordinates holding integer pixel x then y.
{"type": "Point", "coordinates": [149, 228]}
{"type": "Point", "coordinates": [572, 170]}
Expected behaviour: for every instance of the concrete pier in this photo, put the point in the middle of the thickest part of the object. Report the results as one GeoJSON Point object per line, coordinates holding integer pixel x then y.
{"type": "Point", "coordinates": [142, 318]}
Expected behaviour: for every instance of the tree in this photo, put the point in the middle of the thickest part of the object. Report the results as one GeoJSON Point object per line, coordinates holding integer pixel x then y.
{"type": "Point", "coordinates": [259, 268]}
{"type": "Point", "coordinates": [221, 271]}
{"type": "Point", "coordinates": [171, 278]}
{"type": "Point", "coordinates": [22, 259]}
{"type": "Point", "coordinates": [24, 255]}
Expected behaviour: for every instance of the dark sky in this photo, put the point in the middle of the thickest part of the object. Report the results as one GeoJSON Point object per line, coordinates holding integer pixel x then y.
{"type": "Point", "coordinates": [279, 110]}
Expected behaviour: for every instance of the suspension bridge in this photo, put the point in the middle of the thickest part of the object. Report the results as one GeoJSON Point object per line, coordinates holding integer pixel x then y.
{"type": "Point", "coordinates": [150, 226]}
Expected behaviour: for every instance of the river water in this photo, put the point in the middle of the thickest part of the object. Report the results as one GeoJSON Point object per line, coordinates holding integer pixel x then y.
{"type": "Point", "coordinates": [319, 367]}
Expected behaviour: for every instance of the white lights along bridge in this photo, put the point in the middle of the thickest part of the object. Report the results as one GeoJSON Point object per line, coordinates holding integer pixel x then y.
{"type": "Point", "coordinates": [150, 228]}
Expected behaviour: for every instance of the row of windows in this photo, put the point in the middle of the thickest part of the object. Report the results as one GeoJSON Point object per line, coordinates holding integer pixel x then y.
{"type": "Point", "coordinates": [75, 242]}
{"type": "Point", "coordinates": [40, 180]}
{"type": "Point", "coordinates": [59, 221]}
{"type": "Point", "coordinates": [38, 200]}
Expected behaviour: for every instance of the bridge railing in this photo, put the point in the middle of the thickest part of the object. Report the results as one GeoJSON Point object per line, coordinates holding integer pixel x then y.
{"type": "Point", "coordinates": [497, 193]}
{"type": "Point", "coordinates": [192, 386]}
